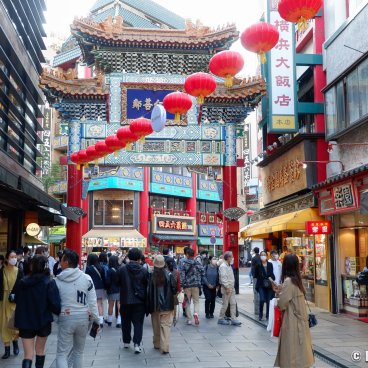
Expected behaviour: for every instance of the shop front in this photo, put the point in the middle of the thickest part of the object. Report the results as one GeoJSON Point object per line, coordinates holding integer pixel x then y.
{"type": "Point", "coordinates": [173, 232]}
{"type": "Point", "coordinates": [346, 202]}
{"type": "Point", "coordinates": [210, 239]}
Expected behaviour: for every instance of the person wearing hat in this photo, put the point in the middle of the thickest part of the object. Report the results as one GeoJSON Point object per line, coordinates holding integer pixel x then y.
{"type": "Point", "coordinates": [161, 291]}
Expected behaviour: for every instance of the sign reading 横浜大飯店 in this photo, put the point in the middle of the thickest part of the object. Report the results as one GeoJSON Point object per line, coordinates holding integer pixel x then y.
{"type": "Point", "coordinates": [281, 75]}
{"type": "Point", "coordinates": [285, 175]}
{"type": "Point", "coordinates": [180, 225]}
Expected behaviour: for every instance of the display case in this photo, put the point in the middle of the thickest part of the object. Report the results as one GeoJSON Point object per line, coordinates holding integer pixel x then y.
{"type": "Point", "coordinates": [321, 259]}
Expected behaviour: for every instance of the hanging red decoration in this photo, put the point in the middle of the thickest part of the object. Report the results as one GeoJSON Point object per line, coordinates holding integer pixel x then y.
{"type": "Point", "coordinates": [102, 148]}
{"type": "Point", "coordinates": [299, 11]}
{"type": "Point", "coordinates": [92, 153]}
{"type": "Point", "coordinates": [177, 103]}
{"type": "Point", "coordinates": [126, 135]}
{"type": "Point", "coordinates": [114, 143]}
{"type": "Point", "coordinates": [200, 85]}
{"type": "Point", "coordinates": [74, 157]}
{"type": "Point", "coordinates": [141, 127]}
{"type": "Point", "coordinates": [226, 64]}
{"type": "Point", "coordinates": [260, 38]}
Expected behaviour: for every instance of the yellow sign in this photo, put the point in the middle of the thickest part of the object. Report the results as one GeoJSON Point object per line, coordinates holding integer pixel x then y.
{"type": "Point", "coordinates": [33, 229]}
{"type": "Point", "coordinates": [283, 122]}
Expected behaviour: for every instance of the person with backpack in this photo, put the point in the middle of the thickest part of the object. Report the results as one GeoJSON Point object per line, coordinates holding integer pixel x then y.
{"type": "Point", "coordinates": [133, 282]}
{"type": "Point", "coordinates": [212, 275]}
{"type": "Point", "coordinates": [113, 290]}
{"type": "Point", "coordinates": [191, 278]}
{"type": "Point", "coordinates": [97, 274]}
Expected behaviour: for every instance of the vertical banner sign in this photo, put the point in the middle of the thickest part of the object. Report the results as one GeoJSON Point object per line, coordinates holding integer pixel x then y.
{"type": "Point", "coordinates": [282, 78]}
{"type": "Point", "coordinates": [46, 147]}
{"type": "Point", "coordinates": [246, 151]}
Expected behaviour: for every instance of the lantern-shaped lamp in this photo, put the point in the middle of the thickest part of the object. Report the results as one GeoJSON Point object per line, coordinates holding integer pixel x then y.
{"type": "Point", "coordinates": [74, 157]}
{"type": "Point", "coordinates": [92, 154]}
{"type": "Point", "coordinates": [127, 136]}
{"type": "Point", "coordinates": [141, 127]}
{"type": "Point", "coordinates": [226, 64]}
{"type": "Point", "coordinates": [260, 38]}
{"type": "Point", "coordinates": [177, 103]}
{"type": "Point", "coordinates": [114, 143]}
{"type": "Point", "coordinates": [102, 148]}
{"type": "Point", "coordinates": [200, 85]}
{"type": "Point", "coordinates": [299, 11]}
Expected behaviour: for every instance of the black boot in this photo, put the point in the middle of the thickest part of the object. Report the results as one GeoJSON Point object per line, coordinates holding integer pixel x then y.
{"type": "Point", "coordinates": [15, 347]}
{"type": "Point", "coordinates": [7, 353]}
{"type": "Point", "coordinates": [27, 363]}
{"type": "Point", "coordinates": [40, 361]}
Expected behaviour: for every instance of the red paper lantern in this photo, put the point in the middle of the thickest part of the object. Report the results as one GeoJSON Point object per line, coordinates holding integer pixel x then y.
{"type": "Point", "coordinates": [299, 11]}
{"type": "Point", "coordinates": [141, 127]}
{"type": "Point", "coordinates": [126, 135]}
{"type": "Point", "coordinates": [260, 38]}
{"type": "Point", "coordinates": [200, 85]}
{"type": "Point", "coordinates": [74, 157]}
{"type": "Point", "coordinates": [102, 148]}
{"type": "Point", "coordinates": [177, 103]}
{"type": "Point", "coordinates": [114, 143]}
{"type": "Point", "coordinates": [83, 157]}
{"type": "Point", "coordinates": [226, 64]}
{"type": "Point", "coordinates": [92, 153]}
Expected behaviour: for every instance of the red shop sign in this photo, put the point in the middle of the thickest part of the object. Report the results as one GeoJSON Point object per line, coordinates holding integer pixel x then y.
{"type": "Point", "coordinates": [318, 227]}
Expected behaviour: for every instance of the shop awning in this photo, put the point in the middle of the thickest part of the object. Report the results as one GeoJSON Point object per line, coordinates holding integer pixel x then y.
{"type": "Point", "coordinates": [31, 240]}
{"type": "Point", "coordinates": [174, 237]}
{"type": "Point", "coordinates": [290, 221]}
{"type": "Point", "coordinates": [113, 233]}
{"type": "Point", "coordinates": [203, 240]}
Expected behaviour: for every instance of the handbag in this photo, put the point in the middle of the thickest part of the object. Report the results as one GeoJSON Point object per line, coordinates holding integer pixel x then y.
{"type": "Point", "coordinates": [312, 319]}
{"type": "Point", "coordinates": [266, 283]}
{"type": "Point", "coordinates": [277, 321]}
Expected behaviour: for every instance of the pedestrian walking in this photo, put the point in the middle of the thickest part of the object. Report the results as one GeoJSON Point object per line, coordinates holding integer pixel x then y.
{"type": "Point", "coordinates": [227, 282]}
{"type": "Point", "coordinates": [180, 265]}
{"type": "Point", "coordinates": [191, 278]}
{"type": "Point", "coordinates": [37, 298]}
{"type": "Point", "coordinates": [295, 342]}
{"type": "Point", "coordinates": [169, 258]}
{"type": "Point", "coordinates": [133, 282]}
{"type": "Point", "coordinates": [256, 260]}
{"type": "Point", "coordinates": [277, 266]}
{"type": "Point", "coordinates": [263, 272]}
{"type": "Point", "coordinates": [78, 310]}
{"type": "Point", "coordinates": [212, 275]}
{"type": "Point", "coordinates": [57, 267]}
{"type": "Point", "coordinates": [97, 274]}
{"type": "Point", "coordinates": [161, 292]}
{"type": "Point", "coordinates": [9, 276]}
{"type": "Point", "coordinates": [113, 290]}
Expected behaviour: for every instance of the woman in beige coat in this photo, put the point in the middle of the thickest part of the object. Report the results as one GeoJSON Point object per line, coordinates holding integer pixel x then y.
{"type": "Point", "coordinates": [295, 343]}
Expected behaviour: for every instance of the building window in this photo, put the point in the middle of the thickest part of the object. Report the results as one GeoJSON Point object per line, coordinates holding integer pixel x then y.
{"type": "Point", "coordinates": [352, 94]}
{"type": "Point", "coordinates": [170, 203]}
{"type": "Point", "coordinates": [113, 212]}
{"type": "Point", "coordinates": [330, 112]}
{"type": "Point", "coordinates": [363, 86]}
{"type": "Point", "coordinates": [210, 207]}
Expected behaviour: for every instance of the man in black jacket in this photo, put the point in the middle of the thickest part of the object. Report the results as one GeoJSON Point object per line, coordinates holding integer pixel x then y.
{"type": "Point", "coordinates": [133, 282]}
{"type": "Point", "coordinates": [256, 260]}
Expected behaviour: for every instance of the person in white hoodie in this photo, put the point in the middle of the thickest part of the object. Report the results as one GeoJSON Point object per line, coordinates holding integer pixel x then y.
{"type": "Point", "coordinates": [78, 310]}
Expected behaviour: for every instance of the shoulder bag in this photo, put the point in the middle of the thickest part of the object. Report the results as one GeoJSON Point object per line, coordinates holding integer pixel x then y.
{"type": "Point", "coordinates": [312, 319]}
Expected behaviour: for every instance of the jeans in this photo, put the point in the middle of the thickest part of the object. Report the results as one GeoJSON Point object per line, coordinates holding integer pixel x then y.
{"type": "Point", "coordinates": [71, 336]}
{"type": "Point", "coordinates": [265, 295]}
{"type": "Point", "coordinates": [132, 314]}
{"type": "Point", "coordinates": [209, 304]}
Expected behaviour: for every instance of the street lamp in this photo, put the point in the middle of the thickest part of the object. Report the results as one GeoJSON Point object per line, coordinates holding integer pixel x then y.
{"type": "Point", "coordinates": [305, 163]}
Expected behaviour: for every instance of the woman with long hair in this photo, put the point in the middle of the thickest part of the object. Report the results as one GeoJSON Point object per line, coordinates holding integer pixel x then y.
{"type": "Point", "coordinates": [37, 298]}
{"type": "Point", "coordinates": [161, 291]}
{"type": "Point", "coordinates": [97, 274]}
{"type": "Point", "coordinates": [113, 290]}
{"type": "Point", "coordinates": [295, 343]}
{"type": "Point", "coordinates": [9, 276]}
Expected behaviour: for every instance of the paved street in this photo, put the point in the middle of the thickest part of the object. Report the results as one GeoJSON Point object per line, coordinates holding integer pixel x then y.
{"type": "Point", "coordinates": [208, 345]}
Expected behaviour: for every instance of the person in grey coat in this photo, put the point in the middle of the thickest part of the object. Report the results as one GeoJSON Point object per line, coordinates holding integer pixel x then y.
{"type": "Point", "coordinates": [212, 275]}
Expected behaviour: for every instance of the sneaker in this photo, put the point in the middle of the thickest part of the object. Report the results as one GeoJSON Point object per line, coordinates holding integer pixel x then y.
{"type": "Point", "coordinates": [223, 322]}
{"type": "Point", "coordinates": [126, 345]}
{"type": "Point", "coordinates": [118, 325]}
{"type": "Point", "coordinates": [212, 316]}
{"type": "Point", "coordinates": [189, 322]}
{"type": "Point", "coordinates": [196, 318]}
{"type": "Point", "coordinates": [137, 349]}
{"type": "Point", "coordinates": [235, 322]}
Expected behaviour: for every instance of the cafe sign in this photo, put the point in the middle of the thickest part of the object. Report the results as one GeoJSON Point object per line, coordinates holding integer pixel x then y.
{"type": "Point", "coordinates": [317, 227]}
{"type": "Point", "coordinates": [33, 229]}
{"type": "Point", "coordinates": [163, 224]}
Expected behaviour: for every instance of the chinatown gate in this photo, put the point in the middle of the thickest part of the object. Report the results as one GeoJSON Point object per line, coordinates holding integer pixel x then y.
{"type": "Point", "coordinates": [134, 69]}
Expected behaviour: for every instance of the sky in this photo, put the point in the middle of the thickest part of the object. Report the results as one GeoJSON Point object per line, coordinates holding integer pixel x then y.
{"type": "Point", "coordinates": [60, 14]}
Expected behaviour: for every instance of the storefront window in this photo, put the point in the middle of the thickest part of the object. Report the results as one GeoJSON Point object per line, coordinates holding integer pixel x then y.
{"type": "Point", "coordinates": [98, 212]}
{"type": "Point", "coordinates": [113, 213]}
{"type": "Point", "coordinates": [321, 259]}
{"type": "Point", "coordinates": [128, 213]}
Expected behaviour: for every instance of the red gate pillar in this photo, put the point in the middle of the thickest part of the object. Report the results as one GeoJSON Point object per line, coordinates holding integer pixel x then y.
{"type": "Point", "coordinates": [74, 199]}
{"type": "Point", "coordinates": [144, 207]}
{"type": "Point", "coordinates": [85, 219]}
{"type": "Point", "coordinates": [192, 206]}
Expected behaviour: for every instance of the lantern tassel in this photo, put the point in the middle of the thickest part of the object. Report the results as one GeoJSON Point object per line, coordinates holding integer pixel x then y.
{"type": "Point", "coordinates": [302, 24]}
{"type": "Point", "coordinates": [177, 117]}
{"type": "Point", "coordinates": [200, 100]}
{"type": "Point", "coordinates": [129, 146]}
{"type": "Point", "coordinates": [116, 153]}
{"type": "Point", "coordinates": [142, 139]}
{"type": "Point", "coordinates": [228, 81]}
{"type": "Point", "coordinates": [78, 167]}
{"type": "Point", "coordinates": [262, 57]}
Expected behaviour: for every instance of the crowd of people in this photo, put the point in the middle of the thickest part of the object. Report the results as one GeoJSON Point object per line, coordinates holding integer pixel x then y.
{"type": "Point", "coordinates": [35, 291]}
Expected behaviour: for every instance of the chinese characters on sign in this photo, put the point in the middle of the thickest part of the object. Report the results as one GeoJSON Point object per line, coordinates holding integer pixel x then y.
{"type": "Point", "coordinates": [246, 151]}
{"type": "Point", "coordinates": [46, 147]}
{"type": "Point", "coordinates": [173, 224]}
{"type": "Point", "coordinates": [317, 227]}
{"type": "Point", "coordinates": [343, 196]}
{"type": "Point", "coordinates": [282, 75]}
{"type": "Point", "coordinates": [288, 173]}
